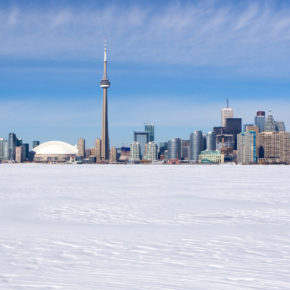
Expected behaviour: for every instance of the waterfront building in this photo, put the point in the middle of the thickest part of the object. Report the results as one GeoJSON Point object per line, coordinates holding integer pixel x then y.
{"type": "Point", "coordinates": [150, 151]}
{"type": "Point", "coordinates": [124, 154]}
{"type": "Point", "coordinates": [260, 121]}
{"type": "Point", "coordinates": [274, 147]}
{"type": "Point", "coordinates": [19, 154]}
{"type": "Point", "coordinates": [12, 142]}
{"type": "Point", "coordinates": [25, 151]}
{"type": "Point", "coordinates": [3, 149]}
{"type": "Point", "coordinates": [35, 144]}
{"type": "Point", "coordinates": [174, 149]}
{"type": "Point", "coordinates": [233, 127]}
{"type": "Point", "coordinates": [142, 138]}
{"type": "Point", "coordinates": [105, 84]}
{"type": "Point", "coordinates": [211, 141]}
{"type": "Point", "coordinates": [55, 151]}
{"type": "Point", "coordinates": [246, 147]}
{"type": "Point", "coordinates": [226, 113]}
{"type": "Point", "coordinates": [113, 155]}
{"type": "Point", "coordinates": [163, 147]}
{"type": "Point", "coordinates": [184, 149]}
{"type": "Point", "coordinates": [98, 149]}
{"type": "Point", "coordinates": [207, 156]}
{"type": "Point", "coordinates": [150, 129]}
{"type": "Point", "coordinates": [195, 145]}
{"type": "Point", "coordinates": [81, 148]}
{"type": "Point", "coordinates": [135, 152]}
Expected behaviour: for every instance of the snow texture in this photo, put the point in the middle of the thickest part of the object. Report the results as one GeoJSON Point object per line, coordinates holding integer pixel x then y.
{"type": "Point", "coordinates": [144, 227]}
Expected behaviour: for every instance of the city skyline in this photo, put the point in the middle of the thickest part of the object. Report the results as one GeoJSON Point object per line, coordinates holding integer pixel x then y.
{"type": "Point", "coordinates": [173, 86]}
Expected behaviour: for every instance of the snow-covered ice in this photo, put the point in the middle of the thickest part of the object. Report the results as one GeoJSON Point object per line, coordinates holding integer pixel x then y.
{"type": "Point", "coordinates": [144, 227]}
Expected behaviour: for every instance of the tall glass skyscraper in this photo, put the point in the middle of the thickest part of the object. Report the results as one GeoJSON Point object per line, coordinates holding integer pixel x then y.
{"type": "Point", "coordinates": [211, 141]}
{"type": "Point", "coordinates": [150, 129]}
{"type": "Point", "coordinates": [195, 145]}
{"type": "Point", "coordinates": [260, 120]}
{"type": "Point", "coordinates": [174, 148]}
{"type": "Point", "coordinates": [12, 142]}
{"type": "Point", "coordinates": [142, 138]}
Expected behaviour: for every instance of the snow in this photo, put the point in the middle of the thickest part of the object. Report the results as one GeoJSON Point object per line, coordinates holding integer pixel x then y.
{"type": "Point", "coordinates": [144, 227]}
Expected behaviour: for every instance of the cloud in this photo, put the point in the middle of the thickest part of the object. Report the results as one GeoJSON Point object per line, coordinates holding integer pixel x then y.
{"type": "Point", "coordinates": [254, 36]}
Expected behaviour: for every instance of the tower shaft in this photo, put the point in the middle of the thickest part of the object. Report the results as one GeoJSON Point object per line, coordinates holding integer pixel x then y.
{"type": "Point", "coordinates": [105, 84]}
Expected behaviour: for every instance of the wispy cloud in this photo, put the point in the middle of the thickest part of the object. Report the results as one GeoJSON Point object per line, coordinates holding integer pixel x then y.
{"type": "Point", "coordinates": [253, 36]}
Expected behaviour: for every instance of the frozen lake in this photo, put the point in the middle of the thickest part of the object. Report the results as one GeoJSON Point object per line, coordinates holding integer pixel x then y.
{"type": "Point", "coordinates": [144, 227]}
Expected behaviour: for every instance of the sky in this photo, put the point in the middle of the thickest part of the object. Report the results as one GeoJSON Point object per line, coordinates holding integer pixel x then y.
{"type": "Point", "coordinates": [171, 63]}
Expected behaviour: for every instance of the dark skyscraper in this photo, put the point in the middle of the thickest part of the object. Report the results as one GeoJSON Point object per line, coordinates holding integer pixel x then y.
{"type": "Point", "coordinates": [150, 129]}
{"type": "Point", "coordinates": [105, 84]}
{"type": "Point", "coordinates": [12, 142]}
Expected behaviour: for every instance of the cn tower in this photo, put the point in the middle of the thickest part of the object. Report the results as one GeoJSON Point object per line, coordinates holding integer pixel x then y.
{"type": "Point", "coordinates": [105, 84]}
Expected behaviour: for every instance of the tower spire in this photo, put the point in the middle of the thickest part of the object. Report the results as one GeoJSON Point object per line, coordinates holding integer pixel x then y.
{"type": "Point", "coordinates": [227, 102]}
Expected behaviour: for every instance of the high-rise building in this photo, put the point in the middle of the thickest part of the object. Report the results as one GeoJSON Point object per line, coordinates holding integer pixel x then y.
{"type": "Point", "coordinates": [270, 125]}
{"type": "Point", "coordinates": [195, 145]}
{"type": "Point", "coordinates": [150, 129]}
{"type": "Point", "coordinates": [142, 138]}
{"type": "Point", "coordinates": [247, 148]}
{"type": "Point", "coordinates": [274, 147]}
{"type": "Point", "coordinates": [135, 154]}
{"type": "Point", "coordinates": [105, 84]}
{"type": "Point", "coordinates": [226, 113]}
{"type": "Point", "coordinates": [2, 148]}
{"type": "Point", "coordinates": [12, 142]}
{"type": "Point", "coordinates": [174, 149]}
{"type": "Point", "coordinates": [280, 126]}
{"type": "Point", "coordinates": [150, 151]}
{"type": "Point", "coordinates": [113, 154]}
{"type": "Point", "coordinates": [260, 120]}
{"type": "Point", "coordinates": [35, 144]}
{"type": "Point", "coordinates": [19, 154]}
{"type": "Point", "coordinates": [25, 151]}
{"type": "Point", "coordinates": [184, 149]}
{"type": "Point", "coordinates": [211, 141]}
{"type": "Point", "coordinates": [81, 148]}
{"type": "Point", "coordinates": [163, 147]}
{"type": "Point", "coordinates": [233, 127]}
{"type": "Point", "coordinates": [5, 149]}
{"type": "Point", "coordinates": [98, 149]}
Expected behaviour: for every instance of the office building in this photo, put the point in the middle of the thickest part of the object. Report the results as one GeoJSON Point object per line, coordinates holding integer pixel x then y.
{"type": "Point", "coordinates": [142, 138]}
{"type": "Point", "coordinates": [3, 149]}
{"type": "Point", "coordinates": [246, 148]}
{"type": "Point", "coordinates": [274, 147]}
{"type": "Point", "coordinates": [226, 113]}
{"type": "Point", "coordinates": [211, 141]}
{"type": "Point", "coordinates": [195, 145]}
{"type": "Point", "coordinates": [124, 154]}
{"type": "Point", "coordinates": [81, 148]}
{"type": "Point", "coordinates": [174, 149]}
{"type": "Point", "coordinates": [233, 127]}
{"type": "Point", "coordinates": [245, 126]}
{"type": "Point", "coordinates": [260, 121]}
{"type": "Point", "coordinates": [19, 154]}
{"type": "Point", "coordinates": [150, 129]}
{"type": "Point", "coordinates": [163, 147]}
{"type": "Point", "coordinates": [105, 84]}
{"type": "Point", "coordinates": [150, 151]}
{"type": "Point", "coordinates": [35, 144]}
{"type": "Point", "coordinates": [98, 149]}
{"type": "Point", "coordinates": [280, 126]}
{"type": "Point", "coordinates": [184, 149]}
{"type": "Point", "coordinates": [270, 125]}
{"type": "Point", "coordinates": [211, 157]}
{"type": "Point", "coordinates": [12, 142]}
{"type": "Point", "coordinates": [135, 152]}
{"type": "Point", "coordinates": [113, 154]}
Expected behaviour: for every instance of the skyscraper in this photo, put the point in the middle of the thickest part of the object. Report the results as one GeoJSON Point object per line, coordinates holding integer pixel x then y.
{"type": "Point", "coordinates": [174, 149]}
{"type": "Point", "coordinates": [260, 120]}
{"type": "Point", "coordinates": [150, 151]}
{"type": "Point", "coordinates": [142, 138]}
{"type": "Point", "coordinates": [135, 152]}
{"type": "Point", "coordinates": [150, 129]}
{"type": "Point", "coordinates": [211, 141]}
{"type": "Point", "coordinates": [105, 84]}
{"type": "Point", "coordinates": [12, 142]}
{"type": "Point", "coordinates": [270, 123]}
{"type": "Point", "coordinates": [35, 144]}
{"type": "Point", "coordinates": [247, 147]}
{"type": "Point", "coordinates": [195, 145]}
{"type": "Point", "coordinates": [226, 113]}
{"type": "Point", "coordinates": [98, 149]}
{"type": "Point", "coordinates": [81, 148]}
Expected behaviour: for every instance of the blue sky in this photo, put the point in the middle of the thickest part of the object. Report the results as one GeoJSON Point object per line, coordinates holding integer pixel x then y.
{"type": "Point", "coordinates": [172, 63]}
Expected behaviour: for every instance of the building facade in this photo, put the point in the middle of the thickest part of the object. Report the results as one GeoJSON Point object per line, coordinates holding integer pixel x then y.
{"type": "Point", "coordinates": [211, 141]}
{"type": "Point", "coordinates": [81, 148]}
{"type": "Point", "coordinates": [135, 152]}
{"type": "Point", "coordinates": [142, 138]}
{"type": "Point", "coordinates": [211, 157]}
{"type": "Point", "coordinates": [247, 148]}
{"type": "Point", "coordinates": [260, 121]}
{"type": "Point", "coordinates": [195, 145]}
{"type": "Point", "coordinates": [150, 129]}
{"type": "Point", "coordinates": [174, 149]}
{"type": "Point", "coordinates": [151, 151]}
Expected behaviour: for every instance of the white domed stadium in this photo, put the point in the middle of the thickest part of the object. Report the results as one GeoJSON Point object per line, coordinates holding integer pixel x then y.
{"type": "Point", "coordinates": [55, 151]}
